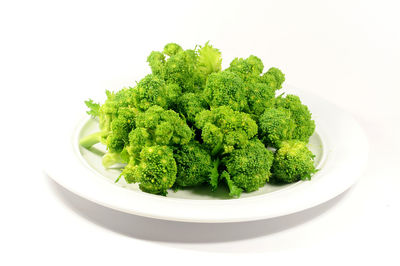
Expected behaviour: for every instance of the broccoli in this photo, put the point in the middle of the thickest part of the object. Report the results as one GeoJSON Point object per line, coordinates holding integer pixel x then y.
{"type": "Point", "coordinates": [152, 90]}
{"type": "Point", "coordinates": [259, 97]}
{"type": "Point", "coordinates": [247, 68]}
{"type": "Point", "coordinates": [190, 122]}
{"type": "Point", "coordinates": [194, 165]}
{"type": "Point", "coordinates": [106, 113]}
{"type": "Point", "coordinates": [259, 90]}
{"type": "Point", "coordinates": [305, 126]}
{"type": "Point", "coordinates": [188, 69]}
{"type": "Point", "coordinates": [172, 49]}
{"type": "Point", "coordinates": [223, 130]}
{"type": "Point", "coordinates": [120, 129]}
{"type": "Point", "coordinates": [190, 104]}
{"type": "Point", "coordinates": [225, 89]}
{"type": "Point", "coordinates": [156, 61]}
{"type": "Point", "coordinates": [275, 125]}
{"type": "Point", "coordinates": [156, 171]}
{"type": "Point", "coordinates": [293, 162]}
{"type": "Point", "coordinates": [157, 126]}
{"type": "Point", "coordinates": [249, 167]}
{"type": "Point", "coordinates": [273, 78]}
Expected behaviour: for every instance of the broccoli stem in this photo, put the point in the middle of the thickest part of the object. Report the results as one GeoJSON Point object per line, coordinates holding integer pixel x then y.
{"type": "Point", "coordinates": [216, 149]}
{"type": "Point", "coordinates": [90, 140]}
{"type": "Point", "coordinates": [111, 158]}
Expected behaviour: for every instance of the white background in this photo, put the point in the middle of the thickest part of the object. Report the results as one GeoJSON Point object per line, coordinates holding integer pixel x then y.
{"type": "Point", "coordinates": [54, 55]}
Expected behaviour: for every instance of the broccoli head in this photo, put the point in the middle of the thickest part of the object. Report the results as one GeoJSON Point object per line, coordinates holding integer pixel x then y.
{"type": "Point", "coordinates": [259, 97]}
{"type": "Point", "coordinates": [190, 104]}
{"type": "Point", "coordinates": [172, 49]}
{"type": "Point", "coordinates": [275, 125]}
{"type": "Point", "coordinates": [152, 90]}
{"type": "Point", "coordinates": [300, 114]}
{"type": "Point", "coordinates": [156, 171]}
{"type": "Point", "coordinates": [259, 90]}
{"type": "Point", "coordinates": [157, 126]}
{"type": "Point", "coordinates": [249, 167]}
{"type": "Point", "coordinates": [120, 129]}
{"type": "Point", "coordinates": [293, 162]}
{"type": "Point", "coordinates": [223, 129]}
{"type": "Point", "coordinates": [106, 113]}
{"type": "Point", "coordinates": [194, 164]}
{"type": "Point", "coordinates": [156, 61]}
{"type": "Point", "coordinates": [247, 68]}
{"type": "Point", "coordinates": [175, 66]}
{"type": "Point", "coordinates": [225, 88]}
{"type": "Point", "coordinates": [187, 68]}
{"type": "Point", "coordinates": [273, 78]}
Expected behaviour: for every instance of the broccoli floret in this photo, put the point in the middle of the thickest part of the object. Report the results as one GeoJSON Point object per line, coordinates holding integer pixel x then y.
{"type": "Point", "coordinates": [249, 167]}
{"type": "Point", "coordinates": [223, 129]}
{"type": "Point", "coordinates": [179, 68]}
{"type": "Point", "coordinates": [109, 110]}
{"type": "Point", "coordinates": [157, 126]}
{"type": "Point", "coordinates": [190, 104]}
{"type": "Point", "coordinates": [156, 61]}
{"type": "Point", "coordinates": [293, 162]}
{"type": "Point", "coordinates": [273, 78]}
{"type": "Point", "coordinates": [138, 139]}
{"type": "Point", "coordinates": [259, 90]}
{"type": "Point", "coordinates": [106, 113]}
{"type": "Point", "coordinates": [275, 125]}
{"type": "Point", "coordinates": [166, 126]}
{"type": "Point", "coordinates": [120, 129]}
{"type": "Point", "coordinates": [156, 171]}
{"type": "Point", "coordinates": [152, 90]}
{"type": "Point", "coordinates": [194, 165]}
{"type": "Point", "coordinates": [259, 97]}
{"type": "Point", "coordinates": [187, 68]}
{"type": "Point", "coordinates": [247, 68]}
{"type": "Point", "coordinates": [172, 49]}
{"type": "Point", "coordinates": [300, 114]}
{"type": "Point", "coordinates": [225, 89]}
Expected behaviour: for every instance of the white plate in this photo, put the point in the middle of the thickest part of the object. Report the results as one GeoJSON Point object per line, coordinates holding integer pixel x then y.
{"type": "Point", "coordinates": [339, 143]}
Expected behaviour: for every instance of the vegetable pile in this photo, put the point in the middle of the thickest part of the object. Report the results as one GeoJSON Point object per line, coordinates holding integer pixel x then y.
{"type": "Point", "coordinates": [190, 123]}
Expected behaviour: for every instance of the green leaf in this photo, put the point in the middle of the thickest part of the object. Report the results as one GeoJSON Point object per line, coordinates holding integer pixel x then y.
{"type": "Point", "coordinates": [234, 191]}
{"type": "Point", "coordinates": [94, 108]}
{"type": "Point", "coordinates": [214, 175]}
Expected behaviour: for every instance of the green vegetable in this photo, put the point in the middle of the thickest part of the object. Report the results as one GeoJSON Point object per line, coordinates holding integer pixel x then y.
{"type": "Point", "coordinates": [156, 171]}
{"type": "Point", "coordinates": [225, 89]}
{"type": "Point", "coordinates": [305, 126]}
{"type": "Point", "coordinates": [293, 162]}
{"type": "Point", "coordinates": [275, 126]}
{"type": "Point", "coordinates": [249, 166]}
{"type": "Point", "coordinates": [189, 122]}
{"type": "Point", "coordinates": [224, 130]}
{"type": "Point", "coordinates": [157, 126]}
{"type": "Point", "coordinates": [194, 165]}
